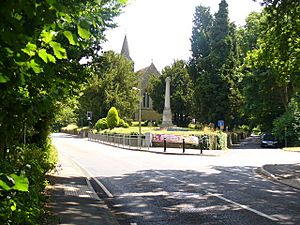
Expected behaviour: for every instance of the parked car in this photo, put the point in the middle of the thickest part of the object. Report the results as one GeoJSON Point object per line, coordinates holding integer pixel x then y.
{"type": "Point", "coordinates": [269, 140]}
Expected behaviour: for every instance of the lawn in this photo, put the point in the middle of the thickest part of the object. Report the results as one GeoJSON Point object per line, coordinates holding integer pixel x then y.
{"type": "Point", "coordinates": [292, 149]}
{"type": "Point", "coordinates": [154, 130]}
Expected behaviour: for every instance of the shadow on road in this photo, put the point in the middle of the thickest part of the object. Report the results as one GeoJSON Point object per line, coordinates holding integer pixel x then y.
{"type": "Point", "coordinates": [71, 202]}
{"type": "Point", "coordinates": [184, 197]}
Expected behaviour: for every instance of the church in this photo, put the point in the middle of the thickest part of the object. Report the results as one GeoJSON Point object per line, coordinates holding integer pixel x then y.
{"type": "Point", "coordinates": [144, 74]}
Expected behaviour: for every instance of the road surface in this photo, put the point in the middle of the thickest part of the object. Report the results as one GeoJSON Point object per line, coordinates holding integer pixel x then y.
{"type": "Point", "coordinates": [153, 189]}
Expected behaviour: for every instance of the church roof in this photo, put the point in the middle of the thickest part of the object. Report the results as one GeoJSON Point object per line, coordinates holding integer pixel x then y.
{"type": "Point", "coordinates": [125, 49]}
{"type": "Point", "coordinates": [145, 74]}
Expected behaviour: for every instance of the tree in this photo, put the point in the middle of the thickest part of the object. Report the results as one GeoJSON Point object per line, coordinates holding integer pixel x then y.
{"type": "Point", "coordinates": [200, 41]}
{"type": "Point", "coordinates": [181, 91]}
{"type": "Point", "coordinates": [214, 73]}
{"type": "Point", "coordinates": [41, 44]}
{"type": "Point", "coordinates": [40, 48]}
{"type": "Point", "coordinates": [110, 84]}
{"type": "Point", "coordinates": [250, 33]}
{"type": "Point", "coordinates": [273, 66]}
{"type": "Point", "coordinates": [287, 126]}
{"type": "Point", "coordinates": [65, 113]}
{"type": "Point", "coordinates": [112, 118]}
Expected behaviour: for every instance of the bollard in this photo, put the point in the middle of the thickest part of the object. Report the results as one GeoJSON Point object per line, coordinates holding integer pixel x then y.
{"type": "Point", "coordinates": [201, 146]}
{"type": "Point", "coordinates": [183, 146]}
{"type": "Point", "coordinates": [165, 145]}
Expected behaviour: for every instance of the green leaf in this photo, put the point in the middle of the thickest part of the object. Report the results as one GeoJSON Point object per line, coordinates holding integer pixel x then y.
{"type": "Point", "coordinates": [6, 182]}
{"type": "Point", "coordinates": [13, 207]}
{"type": "Point", "coordinates": [69, 36]}
{"type": "Point", "coordinates": [51, 58]}
{"type": "Point", "coordinates": [30, 49]}
{"type": "Point", "coordinates": [58, 50]}
{"type": "Point", "coordinates": [123, 2]}
{"type": "Point", "coordinates": [84, 30]}
{"type": "Point", "coordinates": [3, 79]}
{"type": "Point", "coordinates": [46, 57]}
{"type": "Point", "coordinates": [35, 66]}
{"type": "Point", "coordinates": [47, 36]}
{"type": "Point", "coordinates": [43, 55]}
{"type": "Point", "coordinates": [21, 182]}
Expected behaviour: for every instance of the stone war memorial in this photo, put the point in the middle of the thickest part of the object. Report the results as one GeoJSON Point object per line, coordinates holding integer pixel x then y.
{"type": "Point", "coordinates": [167, 114]}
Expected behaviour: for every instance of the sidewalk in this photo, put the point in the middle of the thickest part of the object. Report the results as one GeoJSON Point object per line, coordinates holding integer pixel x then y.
{"type": "Point", "coordinates": [288, 174]}
{"type": "Point", "coordinates": [73, 200]}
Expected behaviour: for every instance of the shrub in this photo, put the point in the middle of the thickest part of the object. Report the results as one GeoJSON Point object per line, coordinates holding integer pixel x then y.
{"type": "Point", "coordinates": [145, 123]}
{"type": "Point", "coordinates": [222, 140]}
{"type": "Point", "coordinates": [129, 121]}
{"type": "Point", "coordinates": [123, 124]}
{"type": "Point", "coordinates": [101, 124]}
{"type": "Point", "coordinates": [22, 183]}
{"type": "Point", "coordinates": [288, 125]}
{"type": "Point", "coordinates": [213, 141]}
{"type": "Point", "coordinates": [70, 129]}
{"type": "Point", "coordinates": [112, 118]}
{"type": "Point", "coordinates": [126, 125]}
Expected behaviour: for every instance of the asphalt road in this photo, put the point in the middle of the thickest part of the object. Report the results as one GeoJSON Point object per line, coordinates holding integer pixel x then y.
{"type": "Point", "coordinates": [146, 188]}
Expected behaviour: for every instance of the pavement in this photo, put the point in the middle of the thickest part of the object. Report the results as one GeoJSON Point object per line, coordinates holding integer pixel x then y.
{"type": "Point", "coordinates": [73, 201]}
{"type": "Point", "coordinates": [288, 174]}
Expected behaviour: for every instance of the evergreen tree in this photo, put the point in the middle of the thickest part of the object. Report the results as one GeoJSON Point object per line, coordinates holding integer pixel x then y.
{"type": "Point", "coordinates": [200, 41]}
{"type": "Point", "coordinates": [112, 118]}
{"type": "Point", "coordinates": [216, 90]}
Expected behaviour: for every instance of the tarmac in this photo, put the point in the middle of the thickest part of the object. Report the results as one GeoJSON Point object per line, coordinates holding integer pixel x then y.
{"type": "Point", "coordinates": [73, 201]}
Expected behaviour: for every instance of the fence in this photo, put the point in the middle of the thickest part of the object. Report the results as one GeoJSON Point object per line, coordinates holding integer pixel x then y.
{"type": "Point", "coordinates": [123, 141]}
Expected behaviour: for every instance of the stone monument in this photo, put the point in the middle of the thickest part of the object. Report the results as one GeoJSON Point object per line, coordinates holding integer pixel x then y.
{"type": "Point", "coordinates": [167, 115]}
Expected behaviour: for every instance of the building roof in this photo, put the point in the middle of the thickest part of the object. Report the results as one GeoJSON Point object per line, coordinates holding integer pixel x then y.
{"type": "Point", "coordinates": [125, 49]}
{"type": "Point", "coordinates": [146, 73]}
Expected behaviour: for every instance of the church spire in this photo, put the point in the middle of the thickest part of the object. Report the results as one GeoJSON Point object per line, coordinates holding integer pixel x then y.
{"type": "Point", "coordinates": [125, 49]}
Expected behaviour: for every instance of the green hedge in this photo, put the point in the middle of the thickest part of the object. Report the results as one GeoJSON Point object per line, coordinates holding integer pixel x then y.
{"type": "Point", "coordinates": [236, 137]}
{"type": "Point", "coordinates": [213, 141]}
{"type": "Point", "coordinates": [22, 183]}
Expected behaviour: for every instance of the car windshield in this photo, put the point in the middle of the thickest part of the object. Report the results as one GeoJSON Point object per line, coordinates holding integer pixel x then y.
{"type": "Point", "coordinates": [269, 137]}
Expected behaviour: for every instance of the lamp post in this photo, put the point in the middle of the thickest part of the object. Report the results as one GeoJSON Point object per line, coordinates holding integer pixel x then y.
{"type": "Point", "coordinates": [140, 108]}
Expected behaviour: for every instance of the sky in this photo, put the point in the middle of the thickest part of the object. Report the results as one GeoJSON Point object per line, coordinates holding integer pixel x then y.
{"type": "Point", "coordinates": [159, 31]}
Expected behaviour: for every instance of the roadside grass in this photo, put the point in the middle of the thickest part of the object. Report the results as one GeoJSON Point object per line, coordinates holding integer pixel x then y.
{"type": "Point", "coordinates": [292, 149]}
{"type": "Point", "coordinates": [155, 130]}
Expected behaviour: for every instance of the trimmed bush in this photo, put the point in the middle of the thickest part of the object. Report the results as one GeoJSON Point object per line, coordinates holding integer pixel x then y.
{"type": "Point", "coordinates": [70, 129]}
{"type": "Point", "coordinates": [101, 124]}
{"type": "Point", "coordinates": [112, 118]}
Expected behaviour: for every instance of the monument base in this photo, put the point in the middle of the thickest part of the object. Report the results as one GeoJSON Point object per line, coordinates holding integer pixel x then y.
{"type": "Point", "coordinates": [167, 118]}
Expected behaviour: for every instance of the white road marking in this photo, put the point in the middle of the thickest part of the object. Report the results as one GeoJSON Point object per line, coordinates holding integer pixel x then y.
{"type": "Point", "coordinates": [228, 200]}
{"type": "Point", "coordinates": [243, 206]}
{"type": "Point", "coordinates": [133, 223]}
{"type": "Point", "coordinates": [90, 175]}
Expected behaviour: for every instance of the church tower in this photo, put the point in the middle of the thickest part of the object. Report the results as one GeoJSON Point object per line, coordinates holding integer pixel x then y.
{"type": "Point", "coordinates": [125, 51]}
{"type": "Point", "coordinates": [147, 111]}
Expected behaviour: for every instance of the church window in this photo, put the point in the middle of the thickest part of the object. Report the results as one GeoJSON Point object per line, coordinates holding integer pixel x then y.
{"type": "Point", "coordinates": [146, 100]}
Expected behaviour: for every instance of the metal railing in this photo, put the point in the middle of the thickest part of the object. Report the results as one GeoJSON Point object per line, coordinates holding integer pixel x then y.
{"type": "Point", "coordinates": [120, 140]}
